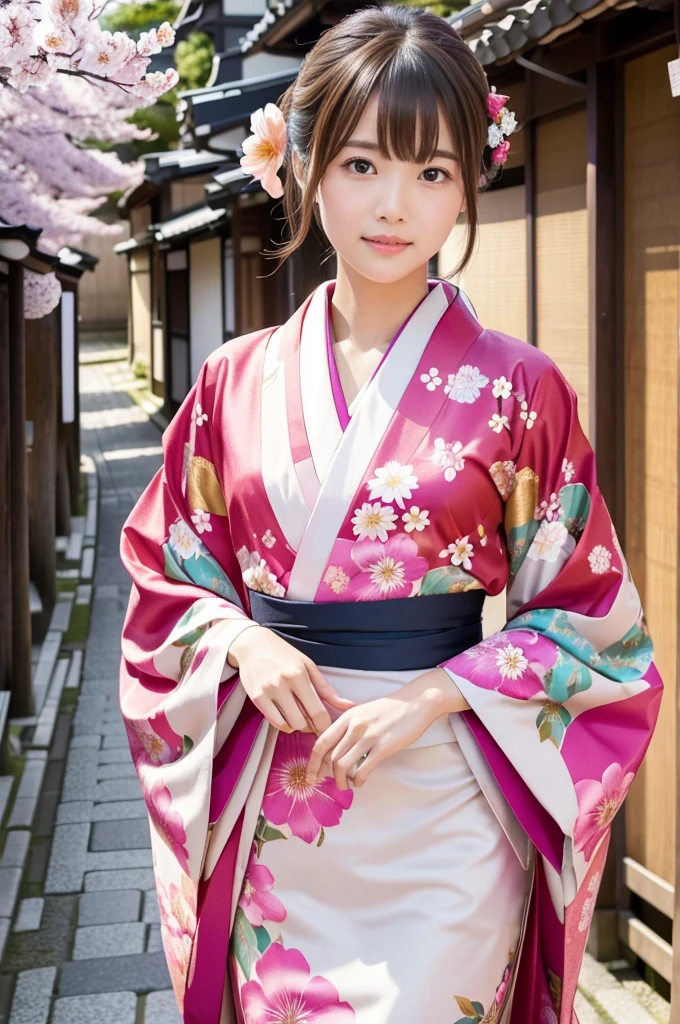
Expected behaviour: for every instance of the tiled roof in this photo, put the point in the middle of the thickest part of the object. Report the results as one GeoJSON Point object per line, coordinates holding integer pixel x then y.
{"type": "Point", "coordinates": [275, 11]}
{"type": "Point", "coordinates": [515, 28]}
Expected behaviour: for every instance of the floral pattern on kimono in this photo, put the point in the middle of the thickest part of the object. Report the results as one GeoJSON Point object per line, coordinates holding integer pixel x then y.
{"type": "Point", "coordinates": [463, 466]}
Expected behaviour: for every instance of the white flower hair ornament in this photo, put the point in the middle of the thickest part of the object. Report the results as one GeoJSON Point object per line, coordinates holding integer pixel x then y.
{"type": "Point", "coordinates": [503, 123]}
{"type": "Point", "coordinates": [264, 150]}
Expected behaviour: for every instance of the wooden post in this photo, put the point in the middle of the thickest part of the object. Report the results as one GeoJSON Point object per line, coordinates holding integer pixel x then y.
{"type": "Point", "coordinates": [5, 504]}
{"type": "Point", "coordinates": [22, 690]}
{"type": "Point", "coordinates": [41, 408]}
{"type": "Point", "coordinates": [605, 226]}
{"type": "Point", "coordinates": [530, 205]}
{"type": "Point", "coordinates": [238, 265]}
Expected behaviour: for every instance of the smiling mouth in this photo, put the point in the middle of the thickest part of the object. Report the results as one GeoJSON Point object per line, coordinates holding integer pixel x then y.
{"type": "Point", "coordinates": [382, 241]}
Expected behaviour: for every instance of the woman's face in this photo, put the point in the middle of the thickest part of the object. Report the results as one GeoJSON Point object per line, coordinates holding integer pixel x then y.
{"type": "Point", "coordinates": [363, 196]}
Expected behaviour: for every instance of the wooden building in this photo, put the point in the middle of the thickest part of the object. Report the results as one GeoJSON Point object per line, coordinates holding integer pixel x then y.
{"type": "Point", "coordinates": [589, 206]}
{"type": "Point", "coordinates": [39, 448]}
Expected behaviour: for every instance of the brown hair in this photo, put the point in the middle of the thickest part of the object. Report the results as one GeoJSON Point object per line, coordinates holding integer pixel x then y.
{"type": "Point", "coordinates": [417, 63]}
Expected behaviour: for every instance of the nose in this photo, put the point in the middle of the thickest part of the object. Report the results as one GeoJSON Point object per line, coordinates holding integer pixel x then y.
{"type": "Point", "coordinates": [392, 202]}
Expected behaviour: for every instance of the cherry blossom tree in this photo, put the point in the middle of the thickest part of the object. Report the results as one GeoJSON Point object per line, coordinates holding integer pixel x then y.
{"type": "Point", "coordinates": [67, 88]}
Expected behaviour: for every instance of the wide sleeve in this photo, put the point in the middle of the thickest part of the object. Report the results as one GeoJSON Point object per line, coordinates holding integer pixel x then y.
{"type": "Point", "coordinates": [179, 697]}
{"type": "Point", "coordinates": [565, 697]}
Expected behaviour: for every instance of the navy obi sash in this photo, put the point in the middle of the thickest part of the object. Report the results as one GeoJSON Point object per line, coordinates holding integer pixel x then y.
{"type": "Point", "coordinates": [402, 633]}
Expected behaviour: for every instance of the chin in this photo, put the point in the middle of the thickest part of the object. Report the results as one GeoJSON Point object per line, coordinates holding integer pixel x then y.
{"type": "Point", "coordinates": [386, 271]}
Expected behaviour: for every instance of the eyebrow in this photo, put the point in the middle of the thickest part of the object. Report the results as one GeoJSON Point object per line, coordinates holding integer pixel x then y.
{"type": "Point", "coordinates": [362, 144]}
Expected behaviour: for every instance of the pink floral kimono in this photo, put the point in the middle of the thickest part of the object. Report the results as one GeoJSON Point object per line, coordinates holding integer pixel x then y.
{"type": "Point", "coordinates": [456, 886]}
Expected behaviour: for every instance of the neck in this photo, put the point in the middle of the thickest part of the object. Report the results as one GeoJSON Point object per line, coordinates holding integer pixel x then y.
{"type": "Point", "coordinates": [370, 313]}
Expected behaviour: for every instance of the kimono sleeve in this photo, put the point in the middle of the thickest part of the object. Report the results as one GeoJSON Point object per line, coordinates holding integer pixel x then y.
{"type": "Point", "coordinates": [564, 699]}
{"type": "Point", "coordinates": [176, 545]}
{"type": "Point", "coordinates": [180, 699]}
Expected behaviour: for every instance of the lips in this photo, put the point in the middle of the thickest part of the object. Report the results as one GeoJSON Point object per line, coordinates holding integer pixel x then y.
{"type": "Point", "coordinates": [387, 240]}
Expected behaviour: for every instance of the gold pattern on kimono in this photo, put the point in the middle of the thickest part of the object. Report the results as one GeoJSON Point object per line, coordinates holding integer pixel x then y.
{"type": "Point", "coordinates": [521, 504]}
{"type": "Point", "coordinates": [555, 986]}
{"type": "Point", "coordinates": [203, 487]}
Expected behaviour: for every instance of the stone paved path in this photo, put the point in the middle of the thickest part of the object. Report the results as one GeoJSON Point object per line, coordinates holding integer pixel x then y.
{"type": "Point", "coordinates": [109, 968]}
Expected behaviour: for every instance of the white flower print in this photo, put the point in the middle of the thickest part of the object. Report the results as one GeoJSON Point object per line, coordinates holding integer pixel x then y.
{"type": "Point", "coordinates": [431, 380]}
{"type": "Point", "coordinates": [589, 904]}
{"type": "Point", "coordinates": [393, 482]}
{"type": "Point", "coordinates": [548, 541]}
{"type": "Point", "coordinates": [568, 469]}
{"type": "Point", "coordinates": [201, 417]}
{"type": "Point", "coordinates": [447, 455]}
{"type": "Point", "coordinates": [259, 577]}
{"type": "Point", "coordinates": [243, 557]}
{"type": "Point", "coordinates": [502, 388]}
{"type": "Point", "coordinates": [508, 121]}
{"type": "Point", "coordinates": [494, 135]}
{"type": "Point", "coordinates": [269, 540]}
{"type": "Point", "coordinates": [387, 574]}
{"type": "Point", "coordinates": [549, 510]}
{"type": "Point", "coordinates": [416, 519]}
{"type": "Point", "coordinates": [183, 540]}
{"type": "Point", "coordinates": [459, 553]}
{"type": "Point", "coordinates": [201, 521]}
{"type": "Point", "coordinates": [600, 559]}
{"type": "Point", "coordinates": [511, 662]}
{"type": "Point", "coordinates": [372, 521]}
{"type": "Point", "coordinates": [465, 386]}
{"type": "Point", "coordinates": [498, 422]}
{"type": "Point", "coordinates": [530, 417]}
{"type": "Point", "coordinates": [336, 578]}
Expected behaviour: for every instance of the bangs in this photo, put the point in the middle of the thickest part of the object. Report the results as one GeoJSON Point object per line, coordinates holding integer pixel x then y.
{"type": "Point", "coordinates": [408, 108]}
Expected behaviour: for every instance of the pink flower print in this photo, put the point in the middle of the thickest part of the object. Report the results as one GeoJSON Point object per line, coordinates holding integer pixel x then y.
{"type": "Point", "coordinates": [264, 150]}
{"type": "Point", "coordinates": [152, 740]}
{"type": "Point", "coordinates": [500, 153]}
{"type": "Point", "coordinates": [257, 901]}
{"type": "Point", "coordinates": [446, 454]}
{"type": "Point", "coordinates": [387, 570]}
{"type": "Point", "coordinates": [550, 509]}
{"type": "Point", "coordinates": [598, 803]}
{"type": "Point", "coordinates": [495, 103]}
{"type": "Point", "coordinates": [177, 906]}
{"type": "Point", "coordinates": [284, 993]}
{"type": "Point", "coordinates": [168, 823]}
{"type": "Point", "coordinates": [290, 800]}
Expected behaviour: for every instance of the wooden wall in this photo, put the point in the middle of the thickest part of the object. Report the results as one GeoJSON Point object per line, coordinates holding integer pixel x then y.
{"type": "Point", "coordinates": [562, 250]}
{"type": "Point", "coordinates": [651, 325]}
{"type": "Point", "coordinates": [103, 293]}
{"type": "Point", "coordinates": [140, 305]}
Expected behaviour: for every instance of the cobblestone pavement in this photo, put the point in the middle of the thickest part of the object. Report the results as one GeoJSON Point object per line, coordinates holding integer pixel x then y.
{"type": "Point", "coordinates": [98, 937]}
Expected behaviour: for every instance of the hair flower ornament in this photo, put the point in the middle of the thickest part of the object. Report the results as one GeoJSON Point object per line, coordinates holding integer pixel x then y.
{"type": "Point", "coordinates": [264, 150]}
{"type": "Point", "coordinates": [503, 123]}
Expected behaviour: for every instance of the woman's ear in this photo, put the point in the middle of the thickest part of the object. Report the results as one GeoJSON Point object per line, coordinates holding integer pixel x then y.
{"type": "Point", "coordinates": [297, 169]}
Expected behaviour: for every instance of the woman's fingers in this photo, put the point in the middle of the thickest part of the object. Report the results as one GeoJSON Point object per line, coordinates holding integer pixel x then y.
{"type": "Point", "coordinates": [317, 714]}
{"type": "Point", "coordinates": [325, 690]}
{"type": "Point", "coordinates": [273, 715]}
{"type": "Point", "coordinates": [291, 711]}
{"type": "Point", "coordinates": [376, 755]}
{"type": "Point", "coordinates": [323, 746]}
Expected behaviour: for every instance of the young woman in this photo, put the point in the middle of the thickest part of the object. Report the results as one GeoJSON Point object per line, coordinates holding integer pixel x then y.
{"type": "Point", "coordinates": [363, 811]}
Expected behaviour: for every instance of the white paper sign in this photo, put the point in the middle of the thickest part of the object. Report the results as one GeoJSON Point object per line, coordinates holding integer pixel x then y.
{"type": "Point", "coordinates": [674, 75]}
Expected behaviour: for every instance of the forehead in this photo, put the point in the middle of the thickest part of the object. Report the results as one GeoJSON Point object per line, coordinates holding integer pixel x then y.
{"type": "Point", "coordinates": [367, 125]}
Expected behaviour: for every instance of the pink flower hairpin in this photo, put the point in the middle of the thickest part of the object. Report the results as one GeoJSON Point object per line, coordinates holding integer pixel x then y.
{"type": "Point", "coordinates": [264, 150]}
{"type": "Point", "coordinates": [503, 123]}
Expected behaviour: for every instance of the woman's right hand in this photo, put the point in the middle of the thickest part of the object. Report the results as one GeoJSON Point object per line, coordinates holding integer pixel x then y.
{"type": "Point", "coordinates": [284, 684]}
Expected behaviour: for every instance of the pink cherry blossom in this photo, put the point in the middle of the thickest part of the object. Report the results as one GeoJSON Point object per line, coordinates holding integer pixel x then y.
{"type": "Point", "coordinates": [177, 906]}
{"type": "Point", "coordinates": [17, 26]}
{"type": "Point", "coordinates": [152, 741]}
{"type": "Point", "coordinates": [290, 800]}
{"type": "Point", "coordinates": [495, 103]}
{"type": "Point", "coordinates": [265, 149]}
{"type": "Point", "coordinates": [598, 803]}
{"type": "Point", "coordinates": [42, 294]}
{"type": "Point", "coordinates": [500, 153]}
{"type": "Point", "coordinates": [168, 823]}
{"type": "Point", "coordinates": [257, 901]}
{"type": "Point", "coordinates": [284, 993]}
{"type": "Point", "coordinates": [387, 570]}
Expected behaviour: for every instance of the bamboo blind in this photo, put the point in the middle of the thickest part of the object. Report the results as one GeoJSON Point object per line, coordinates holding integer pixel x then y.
{"type": "Point", "coordinates": [562, 250]}
{"type": "Point", "coordinates": [651, 323]}
{"type": "Point", "coordinates": [495, 278]}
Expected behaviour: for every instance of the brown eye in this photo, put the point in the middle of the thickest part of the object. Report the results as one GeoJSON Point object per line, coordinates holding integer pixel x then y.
{"type": "Point", "coordinates": [360, 166]}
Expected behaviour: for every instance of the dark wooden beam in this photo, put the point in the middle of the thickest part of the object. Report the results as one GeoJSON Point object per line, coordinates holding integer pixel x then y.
{"type": "Point", "coordinates": [22, 689]}
{"type": "Point", "coordinates": [530, 206]}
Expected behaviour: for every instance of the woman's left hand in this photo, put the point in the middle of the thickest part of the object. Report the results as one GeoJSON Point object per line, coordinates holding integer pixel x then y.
{"type": "Point", "coordinates": [382, 727]}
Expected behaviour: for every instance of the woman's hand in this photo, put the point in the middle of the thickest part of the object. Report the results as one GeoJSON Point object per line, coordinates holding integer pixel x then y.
{"type": "Point", "coordinates": [382, 727]}
{"type": "Point", "coordinates": [285, 685]}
